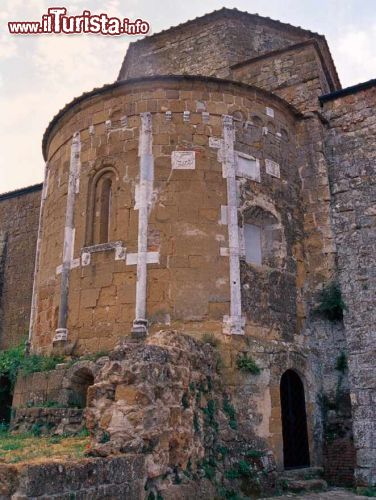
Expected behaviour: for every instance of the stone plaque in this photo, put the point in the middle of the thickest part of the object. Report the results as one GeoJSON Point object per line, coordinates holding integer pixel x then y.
{"type": "Point", "coordinates": [272, 168]}
{"type": "Point", "coordinates": [248, 167]}
{"type": "Point", "coordinates": [183, 160]}
{"type": "Point", "coordinates": [215, 142]}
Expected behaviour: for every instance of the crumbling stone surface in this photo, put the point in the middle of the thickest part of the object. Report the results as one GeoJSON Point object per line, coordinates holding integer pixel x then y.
{"type": "Point", "coordinates": [165, 399]}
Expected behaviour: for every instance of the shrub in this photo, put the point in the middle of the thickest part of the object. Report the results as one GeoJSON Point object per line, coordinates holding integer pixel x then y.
{"type": "Point", "coordinates": [245, 469]}
{"type": "Point", "coordinates": [36, 429]}
{"type": "Point", "coordinates": [370, 491]}
{"type": "Point", "coordinates": [229, 410]}
{"type": "Point", "coordinates": [331, 304]}
{"type": "Point", "coordinates": [232, 474]}
{"type": "Point", "coordinates": [44, 404]}
{"type": "Point", "coordinates": [83, 432]}
{"type": "Point", "coordinates": [14, 360]}
{"type": "Point", "coordinates": [185, 401]}
{"type": "Point", "coordinates": [341, 362]}
{"type": "Point", "coordinates": [196, 423]}
{"type": "Point", "coordinates": [209, 338]}
{"type": "Point", "coordinates": [209, 413]}
{"type": "Point", "coordinates": [247, 364]}
{"type": "Point", "coordinates": [254, 453]}
{"type": "Point", "coordinates": [4, 427]}
{"type": "Point", "coordinates": [105, 438]}
{"type": "Point", "coordinates": [209, 471]}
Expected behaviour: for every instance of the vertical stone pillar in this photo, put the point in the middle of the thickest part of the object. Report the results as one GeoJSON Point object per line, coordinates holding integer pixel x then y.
{"type": "Point", "coordinates": [233, 324]}
{"type": "Point", "coordinates": [145, 152]}
{"type": "Point", "coordinates": [34, 296]}
{"type": "Point", "coordinates": [61, 333]}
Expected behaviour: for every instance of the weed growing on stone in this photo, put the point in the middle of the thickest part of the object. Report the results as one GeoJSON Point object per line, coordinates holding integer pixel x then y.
{"type": "Point", "coordinates": [209, 413]}
{"type": "Point", "coordinates": [331, 304]}
{"type": "Point", "coordinates": [247, 364]}
{"type": "Point", "coordinates": [105, 437]}
{"type": "Point", "coordinates": [44, 404]}
{"type": "Point", "coordinates": [341, 363]}
{"type": "Point", "coordinates": [370, 491]}
{"type": "Point", "coordinates": [185, 401]}
{"type": "Point", "coordinates": [254, 453]}
{"type": "Point", "coordinates": [209, 338]}
{"type": "Point", "coordinates": [209, 470]}
{"type": "Point", "coordinates": [229, 410]}
{"type": "Point", "coordinates": [196, 423]}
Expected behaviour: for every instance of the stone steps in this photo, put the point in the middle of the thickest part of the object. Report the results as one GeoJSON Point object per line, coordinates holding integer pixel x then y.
{"type": "Point", "coordinates": [303, 473]}
{"type": "Point", "coordinates": [300, 480]}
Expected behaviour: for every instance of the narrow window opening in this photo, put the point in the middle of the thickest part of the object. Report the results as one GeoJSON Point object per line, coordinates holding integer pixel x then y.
{"type": "Point", "coordinates": [105, 211]}
{"type": "Point", "coordinates": [101, 219]}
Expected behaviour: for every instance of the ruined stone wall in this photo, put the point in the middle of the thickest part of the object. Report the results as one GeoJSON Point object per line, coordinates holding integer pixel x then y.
{"type": "Point", "coordinates": [89, 479]}
{"type": "Point", "coordinates": [351, 154]}
{"type": "Point", "coordinates": [58, 421]}
{"type": "Point", "coordinates": [208, 46]}
{"type": "Point", "coordinates": [19, 214]}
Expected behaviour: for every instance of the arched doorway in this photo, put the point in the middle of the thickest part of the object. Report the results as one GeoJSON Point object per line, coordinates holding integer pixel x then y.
{"type": "Point", "coordinates": [294, 421]}
{"type": "Point", "coordinates": [5, 400]}
{"type": "Point", "coordinates": [81, 380]}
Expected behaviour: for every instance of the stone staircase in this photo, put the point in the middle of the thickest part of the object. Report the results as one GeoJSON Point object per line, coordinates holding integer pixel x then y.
{"type": "Point", "coordinates": [301, 480]}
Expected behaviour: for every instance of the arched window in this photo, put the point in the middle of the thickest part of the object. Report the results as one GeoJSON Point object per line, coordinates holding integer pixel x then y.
{"type": "Point", "coordinates": [105, 209]}
{"type": "Point", "coordinates": [100, 224]}
{"type": "Point", "coordinates": [262, 237]}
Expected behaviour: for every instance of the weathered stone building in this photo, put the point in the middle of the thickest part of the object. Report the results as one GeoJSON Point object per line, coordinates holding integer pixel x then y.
{"type": "Point", "coordinates": [217, 187]}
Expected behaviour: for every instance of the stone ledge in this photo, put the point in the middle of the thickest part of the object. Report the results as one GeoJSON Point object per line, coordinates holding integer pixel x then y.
{"type": "Point", "coordinates": [93, 478]}
{"type": "Point", "coordinates": [51, 420]}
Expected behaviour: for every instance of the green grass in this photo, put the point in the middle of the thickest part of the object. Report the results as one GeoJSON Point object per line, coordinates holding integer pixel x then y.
{"type": "Point", "coordinates": [26, 447]}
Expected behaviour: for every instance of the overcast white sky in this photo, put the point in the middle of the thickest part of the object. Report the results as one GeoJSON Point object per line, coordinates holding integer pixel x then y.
{"type": "Point", "coordinates": [39, 74]}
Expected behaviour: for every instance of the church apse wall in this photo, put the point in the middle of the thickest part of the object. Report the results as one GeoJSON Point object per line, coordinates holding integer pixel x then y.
{"type": "Point", "coordinates": [187, 234]}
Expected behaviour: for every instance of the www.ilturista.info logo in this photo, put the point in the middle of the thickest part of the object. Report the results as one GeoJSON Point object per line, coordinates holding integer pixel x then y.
{"type": "Point", "coordinates": [56, 21]}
